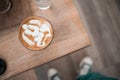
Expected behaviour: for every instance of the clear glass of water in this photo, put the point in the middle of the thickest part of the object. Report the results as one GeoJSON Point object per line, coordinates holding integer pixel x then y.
{"type": "Point", "coordinates": [43, 4]}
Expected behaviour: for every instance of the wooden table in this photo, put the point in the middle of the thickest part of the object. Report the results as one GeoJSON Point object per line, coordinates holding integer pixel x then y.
{"type": "Point", "coordinates": [69, 35]}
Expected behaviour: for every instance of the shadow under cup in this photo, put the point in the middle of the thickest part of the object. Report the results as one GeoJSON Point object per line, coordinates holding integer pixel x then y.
{"type": "Point", "coordinates": [4, 6]}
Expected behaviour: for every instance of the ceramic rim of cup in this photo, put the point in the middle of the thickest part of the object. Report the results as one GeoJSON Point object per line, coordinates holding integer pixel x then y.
{"type": "Point", "coordinates": [6, 10]}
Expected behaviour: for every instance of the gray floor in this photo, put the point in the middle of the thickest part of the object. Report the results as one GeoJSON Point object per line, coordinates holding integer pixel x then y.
{"type": "Point", "coordinates": [67, 66]}
{"type": "Point", "coordinates": [102, 20]}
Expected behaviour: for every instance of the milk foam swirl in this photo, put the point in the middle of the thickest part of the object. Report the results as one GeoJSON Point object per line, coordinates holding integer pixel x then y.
{"type": "Point", "coordinates": [36, 30]}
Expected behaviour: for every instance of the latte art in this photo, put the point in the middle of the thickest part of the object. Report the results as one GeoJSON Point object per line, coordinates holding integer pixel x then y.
{"type": "Point", "coordinates": [36, 33]}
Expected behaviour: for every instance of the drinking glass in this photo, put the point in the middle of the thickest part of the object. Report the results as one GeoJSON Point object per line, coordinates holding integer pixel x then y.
{"type": "Point", "coordinates": [4, 6]}
{"type": "Point", "coordinates": [43, 4]}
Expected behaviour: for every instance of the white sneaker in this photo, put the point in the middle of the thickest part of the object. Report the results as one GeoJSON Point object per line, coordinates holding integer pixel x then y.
{"type": "Point", "coordinates": [85, 66]}
{"type": "Point", "coordinates": [53, 75]}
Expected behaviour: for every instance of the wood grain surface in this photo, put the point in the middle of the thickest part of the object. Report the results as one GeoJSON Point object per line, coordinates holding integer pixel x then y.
{"type": "Point", "coordinates": [18, 12]}
{"type": "Point", "coordinates": [28, 75]}
{"type": "Point", "coordinates": [69, 35]}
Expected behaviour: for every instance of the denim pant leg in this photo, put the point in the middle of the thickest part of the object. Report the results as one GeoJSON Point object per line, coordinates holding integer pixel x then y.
{"type": "Point", "coordinates": [94, 76]}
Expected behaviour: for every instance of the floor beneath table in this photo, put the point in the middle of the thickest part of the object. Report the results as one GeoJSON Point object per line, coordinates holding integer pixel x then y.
{"type": "Point", "coordinates": [102, 21]}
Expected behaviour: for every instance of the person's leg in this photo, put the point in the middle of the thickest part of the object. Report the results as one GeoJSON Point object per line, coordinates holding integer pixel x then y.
{"type": "Point", "coordinates": [54, 75]}
{"type": "Point", "coordinates": [94, 76]}
{"type": "Point", "coordinates": [86, 74]}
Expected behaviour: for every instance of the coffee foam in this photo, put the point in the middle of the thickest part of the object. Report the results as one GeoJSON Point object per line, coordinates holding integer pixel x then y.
{"type": "Point", "coordinates": [37, 33]}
